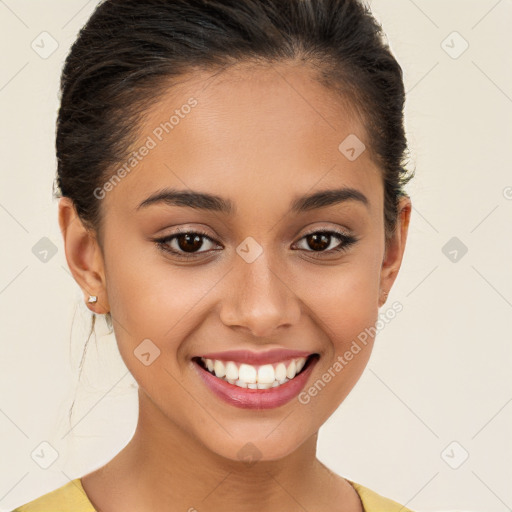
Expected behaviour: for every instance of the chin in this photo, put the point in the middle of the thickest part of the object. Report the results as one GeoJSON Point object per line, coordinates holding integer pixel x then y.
{"type": "Point", "coordinates": [256, 442]}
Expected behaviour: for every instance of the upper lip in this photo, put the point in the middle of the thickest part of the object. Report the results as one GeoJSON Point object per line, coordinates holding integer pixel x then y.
{"type": "Point", "coordinates": [250, 357]}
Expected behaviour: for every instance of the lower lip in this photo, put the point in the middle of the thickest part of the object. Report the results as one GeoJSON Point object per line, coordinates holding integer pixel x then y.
{"type": "Point", "coordinates": [246, 398]}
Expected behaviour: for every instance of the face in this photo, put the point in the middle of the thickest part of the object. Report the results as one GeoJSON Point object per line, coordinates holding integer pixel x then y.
{"type": "Point", "coordinates": [259, 268]}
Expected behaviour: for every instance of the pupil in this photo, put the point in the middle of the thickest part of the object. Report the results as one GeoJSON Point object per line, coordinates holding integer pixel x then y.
{"type": "Point", "coordinates": [315, 241]}
{"type": "Point", "coordinates": [196, 239]}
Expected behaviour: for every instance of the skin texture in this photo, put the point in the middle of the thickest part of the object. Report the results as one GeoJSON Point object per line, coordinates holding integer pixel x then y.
{"type": "Point", "coordinates": [260, 137]}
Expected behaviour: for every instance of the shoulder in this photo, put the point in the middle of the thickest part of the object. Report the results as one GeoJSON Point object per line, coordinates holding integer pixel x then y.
{"type": "Point", "coordinates": [374, 502]}
{"type": "Point", "coordinates": [70, 496]}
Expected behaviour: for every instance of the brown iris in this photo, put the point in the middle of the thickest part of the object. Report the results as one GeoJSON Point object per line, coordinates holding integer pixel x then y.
{"type": "Point", "coordinates": [318, 241]}
{"type": "Point", "coordinates": [189, 242]}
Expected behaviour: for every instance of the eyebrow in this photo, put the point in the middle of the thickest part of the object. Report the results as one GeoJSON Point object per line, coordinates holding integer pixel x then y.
{"type": "Point", "coordinates": [210, 202]}
{"type": "Point", "coordinates": [325, 198]}
{"type": "Point", "coordinates": [191, 199]}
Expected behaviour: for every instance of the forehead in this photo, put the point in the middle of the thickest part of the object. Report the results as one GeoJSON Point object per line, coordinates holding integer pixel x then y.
{"type": "Point", "coordinates": [267, 130]}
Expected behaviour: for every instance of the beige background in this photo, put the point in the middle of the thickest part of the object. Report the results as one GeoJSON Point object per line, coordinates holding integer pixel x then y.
{"type": "Point", "coordinates": [440, 371]}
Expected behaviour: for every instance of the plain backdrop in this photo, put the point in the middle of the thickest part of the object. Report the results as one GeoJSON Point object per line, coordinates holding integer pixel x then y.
{"type": "Point", "coordinates": [429, 422]}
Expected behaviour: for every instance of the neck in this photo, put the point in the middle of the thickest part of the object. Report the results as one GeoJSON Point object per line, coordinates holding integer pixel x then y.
{"type": "Point", "coordinates": [163, 466]}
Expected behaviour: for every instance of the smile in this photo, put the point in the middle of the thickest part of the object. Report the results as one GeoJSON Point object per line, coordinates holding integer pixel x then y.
{"type": "Point", "coordinates": [255, 386]}
{"type": "Point", "coordinates": [254, 377]}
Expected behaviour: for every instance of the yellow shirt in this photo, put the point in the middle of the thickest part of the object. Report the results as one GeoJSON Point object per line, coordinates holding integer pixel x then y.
{"type": "Point", "coordinates": [71, 497]}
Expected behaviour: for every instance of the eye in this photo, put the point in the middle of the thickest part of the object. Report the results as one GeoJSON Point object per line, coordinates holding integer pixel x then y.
{"type": "Point", "coordinates": [184, 243]}
{"type": "Point", "coordinates": [322, 241]}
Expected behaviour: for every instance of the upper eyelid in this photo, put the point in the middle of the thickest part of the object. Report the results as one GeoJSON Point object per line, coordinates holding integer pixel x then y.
{"type": "Point", "coordinates": [181, 231]}
{"type": "Point", "coordinates": [338, 231]}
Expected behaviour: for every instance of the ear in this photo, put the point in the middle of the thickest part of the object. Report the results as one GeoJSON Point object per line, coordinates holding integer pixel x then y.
{"type": "Point", "coordinates": [84, 256]}
{"type": "Point", "coordinates": [395, 249]}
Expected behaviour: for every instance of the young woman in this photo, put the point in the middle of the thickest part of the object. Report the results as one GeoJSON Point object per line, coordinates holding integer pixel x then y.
{"type": "Point", "coordinates": [231, 181]}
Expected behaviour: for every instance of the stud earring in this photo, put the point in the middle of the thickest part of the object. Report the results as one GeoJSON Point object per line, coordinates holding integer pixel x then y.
{"type": "Point", "coordinates": [92, 299]}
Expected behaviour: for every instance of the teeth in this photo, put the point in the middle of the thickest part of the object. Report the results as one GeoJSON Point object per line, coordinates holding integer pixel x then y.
{"type": "Point", "coordinates": [280, 372]}
{"type": "Point", "coordinates": [291, 370]}
{"type": "Point", "coordinates": [248, 376]}
{"type": "Point", "coordinates": [231, 371]}
{"type": "Point", "coordinates": [300, 364]}
{"type": "Point", "coordinates": [266, 374]}
{"type": "Point", "coordinates": [247, 373]}
{"type": "Point", "coordinates": [219, 368]}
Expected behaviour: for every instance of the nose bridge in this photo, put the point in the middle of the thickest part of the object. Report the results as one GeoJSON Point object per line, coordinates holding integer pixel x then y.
{"type": "Point", "coordinates": [259, 298]}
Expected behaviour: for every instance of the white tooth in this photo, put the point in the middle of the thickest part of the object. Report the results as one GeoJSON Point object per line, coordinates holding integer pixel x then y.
{"type": "Point", "coordinates": [219, 368]}
{"type": "Point", "coordinates": [300, 362]}
{"type": "Point", "coordinates": [290, 371]}
{"type": "Point", "coordinates": [252, 386]}
{"type": "Point", "coordinates": [247, 373]}
{"type": "Point", "coordinates": [280, 372]}
{"type": "Point", "coordinates": [266, 374]}
{"type": "Point", "coordinates": [241, 383]}
{"type": "Point", "coordinates": [275, 384]}
{"type": "Point", "coordinates": [231, 371]}
{"type": "Point", "coordinates": [209, 364]}
{"type": "Point", "coordinates": [264, 386]}
{"type": "Point", "coordinates": [231, 381]}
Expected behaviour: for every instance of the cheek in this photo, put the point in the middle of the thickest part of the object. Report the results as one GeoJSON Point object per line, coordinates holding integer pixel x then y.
{"type": "Point", "coordinates": [345, 311]}
{"type": "Point", "coordinates": [150, 296]}
{"type": "Point", "coordinates": [154, 300]}
{"type": "Point", "coordinates": [344, 301]}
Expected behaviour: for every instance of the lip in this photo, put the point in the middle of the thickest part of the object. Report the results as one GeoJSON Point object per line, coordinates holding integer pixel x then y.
{"type": "Point", "coordinates": [246, 398]}
{"type": "Point", "coordinates": [257, 358]}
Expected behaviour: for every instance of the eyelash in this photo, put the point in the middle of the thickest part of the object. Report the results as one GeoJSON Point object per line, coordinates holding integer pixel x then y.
{"type": "Point", "coordinates": [162, 243]}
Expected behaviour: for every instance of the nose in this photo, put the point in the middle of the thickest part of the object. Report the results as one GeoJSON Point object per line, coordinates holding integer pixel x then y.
{"type": "Point", "coordinates": [258, 299]}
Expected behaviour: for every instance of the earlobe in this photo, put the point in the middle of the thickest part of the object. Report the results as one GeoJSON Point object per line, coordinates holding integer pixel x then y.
{"type": "Point", "coordinates": [83, 256]}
